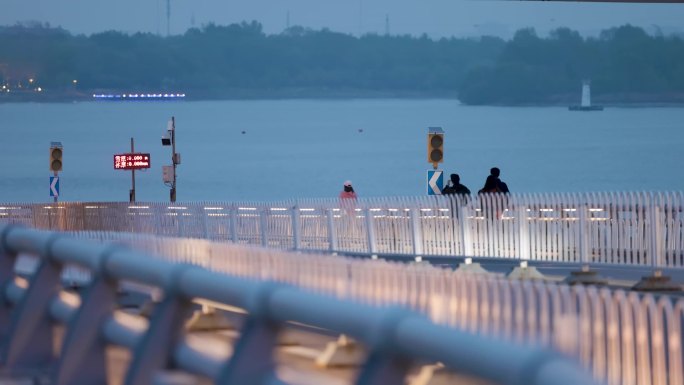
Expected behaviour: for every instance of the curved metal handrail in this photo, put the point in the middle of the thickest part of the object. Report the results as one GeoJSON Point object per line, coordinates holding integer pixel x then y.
{"type": "Point", "coordinates": [392, 335]}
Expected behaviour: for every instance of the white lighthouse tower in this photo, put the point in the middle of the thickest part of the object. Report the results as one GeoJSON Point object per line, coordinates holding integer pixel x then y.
{"type": "Point", "coordinates": [586, 93]}
{"type": "Point", "coordinates": [586, 99]}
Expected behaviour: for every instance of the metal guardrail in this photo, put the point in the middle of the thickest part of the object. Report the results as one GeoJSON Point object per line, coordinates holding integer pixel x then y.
{"type": "Point", "coordinates": [636, 229]}
{"type": "Point", "coordinates": [395, 337]}
{"type": "Point", "coordinates": [621, 337]}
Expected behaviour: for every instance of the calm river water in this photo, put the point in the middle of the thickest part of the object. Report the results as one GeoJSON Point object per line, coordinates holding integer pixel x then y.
{"type": "Point", "coordinates": [308, 148]}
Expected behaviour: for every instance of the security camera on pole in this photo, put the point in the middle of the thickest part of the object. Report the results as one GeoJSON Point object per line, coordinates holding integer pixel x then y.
{"type": "Point", "coordinates": [169, 172]}
{"type": "Point", "coordinates": [435, 155]}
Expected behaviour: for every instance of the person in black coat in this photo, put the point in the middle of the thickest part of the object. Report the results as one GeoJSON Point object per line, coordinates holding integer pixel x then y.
{"type": "Point", "coordinates": [493, 184]}
{"type": "Point", "coordinates": [495, 207]}
{"type": "Point", "coordinates": [456, 187]}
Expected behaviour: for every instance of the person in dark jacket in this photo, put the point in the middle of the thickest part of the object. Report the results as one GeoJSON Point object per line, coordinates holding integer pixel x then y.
{"type": "Point", "coordinates": [493, 184]}
{"type": "Point", "coordinates": [494, 206]}
{"type": "Point", "coordinates": [503, 187]}
{"type": "Point", "coordinates": [460, 193]}
{"type": "Point", "coordinates": [456, 187]}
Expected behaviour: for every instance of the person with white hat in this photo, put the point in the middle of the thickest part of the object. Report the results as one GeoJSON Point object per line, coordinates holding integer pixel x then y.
{"type": "Point", "coordinates": [348, 191]}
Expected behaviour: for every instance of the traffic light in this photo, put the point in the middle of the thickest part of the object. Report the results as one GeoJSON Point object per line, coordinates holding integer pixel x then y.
{"type": "Point", "coordinates": [435, 143]}
{"type": "Point", "coordinates": [55, 157]}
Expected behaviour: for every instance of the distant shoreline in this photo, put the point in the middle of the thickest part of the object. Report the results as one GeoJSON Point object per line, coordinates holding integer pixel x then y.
{"type": "Point", "coordinates": [615, 101]}
{"type": "Point", "coordinates": [237, 94]}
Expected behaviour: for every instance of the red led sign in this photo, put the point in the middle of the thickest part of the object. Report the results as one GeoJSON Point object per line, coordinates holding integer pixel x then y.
{"type": "Point", "coordinates": [132, 161]}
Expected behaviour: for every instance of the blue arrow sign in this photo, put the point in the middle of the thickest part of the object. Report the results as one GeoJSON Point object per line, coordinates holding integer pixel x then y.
{"type": "Point", "coordinates": [54, 186]}
{"type": "Point", "coordinates": [435, 182]}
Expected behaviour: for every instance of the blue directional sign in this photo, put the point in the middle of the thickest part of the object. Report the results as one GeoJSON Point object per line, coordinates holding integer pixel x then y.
{"type": "Point", "coordinates": [54, 186]}
{"type": "Point", "coordinates": [435, 182]}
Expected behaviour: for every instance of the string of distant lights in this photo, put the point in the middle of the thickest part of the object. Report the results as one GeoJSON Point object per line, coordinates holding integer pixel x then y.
{"type": "Point", "coordinates": [137, 96]}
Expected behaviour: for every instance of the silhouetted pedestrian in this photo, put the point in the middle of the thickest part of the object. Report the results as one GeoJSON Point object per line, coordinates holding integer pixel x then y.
{"type": "Point", "coordinates": [458, 191]}
{"type": "Point", "coordinates": [494, 205]}
{"type": "Point", "coordinates": [455, 187]}
{"type": "Point", "coordinates": [493, 184]}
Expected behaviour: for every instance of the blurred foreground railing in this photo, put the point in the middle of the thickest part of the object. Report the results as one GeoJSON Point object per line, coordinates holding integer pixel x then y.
{"type": "Point", "coordinates": [638, 229]}
{"type": "Point", "coordinates": [623, 337]}
{"type": "Point", "coordinates": [395, 337]}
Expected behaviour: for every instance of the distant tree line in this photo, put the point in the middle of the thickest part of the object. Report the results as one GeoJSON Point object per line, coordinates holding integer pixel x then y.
{"type": "Point", "coordinates": [624, 64]}
{"type": "Point", "coordinates": [240, 60]}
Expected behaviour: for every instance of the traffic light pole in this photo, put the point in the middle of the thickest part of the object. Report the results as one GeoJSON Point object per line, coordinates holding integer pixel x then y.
{"type": "Point", "coordinates": [55, 166]}
{"type": "Point", "coordinates": [435, 146]}
{"type": "Point", "coordinates": [56, 175]}
{"type": "Point", "coordinates": [435, 155]}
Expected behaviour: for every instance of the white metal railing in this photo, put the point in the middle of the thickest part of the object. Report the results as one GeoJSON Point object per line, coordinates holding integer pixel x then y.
{"type": "Point", "coordinates": [637, 229]}
{"type": "Point", "coordinates": [394, 337]}
{"type": "Point", "coordinates": [622, 337]}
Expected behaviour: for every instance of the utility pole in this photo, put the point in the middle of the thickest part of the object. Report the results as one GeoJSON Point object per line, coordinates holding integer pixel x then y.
{"type": "Point", "coordinates": [169, 172]}
{"type": "Point", "coordinates": [131, 194]}
{"type": "Point", "coordinates": [387, 27]}
{"type": "Point", "coordinates": [360, 18]}
{"type": "Point", "coordinates": [131, 161]}
{"type": "Point", "coordinates": [175, 159]}
{"type": "Point", "coordinates": [157, 19]}
{"type": "Point", "coordinates": [168, 18]}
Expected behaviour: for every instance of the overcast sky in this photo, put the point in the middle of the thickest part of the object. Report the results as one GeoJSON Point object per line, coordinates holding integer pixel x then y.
{"type": "Point", "coordinates": [437, 18]}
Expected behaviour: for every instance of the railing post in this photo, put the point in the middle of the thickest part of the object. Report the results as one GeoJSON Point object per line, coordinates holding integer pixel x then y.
{"type": "Point", "coordinates": [523, 233]}
{"type": "Point", "coordinates": [154, 351]}
{"type": "Point", "coordinates": [657, 281]}
{"type": "Point", "coordinates": [83, 358]}
{"type": "Point", "coordinates": [383, 366]}
{"type": "Point", "coordinates": [203, 216]}
{"type": "Point", "coordinates": [370, 231]}
{"type": "Point", "coordinates": [263, 225]}
{"type": "Point", "coordinates": [49, 215]}
{"type": "Point", "coordinates": [466, 237]}
{"type": "Point", "coordinates": [332, 234]}
{"type": "Point", "coordinates": [655, 245]}
{"type": "Point", "coordinates": [28, 345]}
{"type": "Point", "coordinates": [583, 235]}
{"type": "Point", "coordinates": [584, 276]}
{"type": "Point", "coordinates": [253, 360]}
{"type": "Point", "coordinates": [295, 227]}
{"type": "Point", "coordinates": [232, 215]}
{"type": "Point", "coordinates": [416, 232]}
{"type": "Point", "coordinates": [7, 261]}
